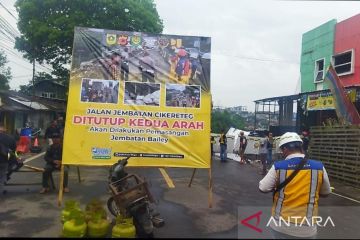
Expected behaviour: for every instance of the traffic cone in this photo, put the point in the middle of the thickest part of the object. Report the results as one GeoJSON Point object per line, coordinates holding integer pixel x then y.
{"type": "Point", "coordinates": [36, 142]}
{"type": "Point", "coordinates": [35, 148]}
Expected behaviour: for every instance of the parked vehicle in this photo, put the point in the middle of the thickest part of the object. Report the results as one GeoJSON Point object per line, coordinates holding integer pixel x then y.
{"type": "Point", "coordinates": [131, 198]}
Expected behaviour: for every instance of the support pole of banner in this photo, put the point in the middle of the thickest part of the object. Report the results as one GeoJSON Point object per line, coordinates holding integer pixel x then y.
{"type": "Point", "coordinates": [61, 185]}
{"type": "Point", "coordinates": [192, 177]}
{"type": "Point", "coordinates": [78, 172]}
{"type": "Point", "coordinates": [210, 188]}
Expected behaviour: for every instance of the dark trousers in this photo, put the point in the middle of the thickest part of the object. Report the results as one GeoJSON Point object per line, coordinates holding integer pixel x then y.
{"type": "Point", "coordinates": [263, 161]}
{"type": "Point", "coordinates": [223, 153]}
{"type": "Point", "coordinates": [3, 171]}
{"type": "Point", "coordinates": [269, 158]}
{"type": "Point", "coordinates": [49, 168]}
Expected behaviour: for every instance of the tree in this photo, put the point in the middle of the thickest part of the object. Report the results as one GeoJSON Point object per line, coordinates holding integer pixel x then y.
{"type": "Point", "coordinates": [47, 26]}
{"type": "Point", "coordinates": [43, 76]}
{"type": "Point", "coordinates": [224, 120]}
{"type": "Point", "coordinates": [5, 74]}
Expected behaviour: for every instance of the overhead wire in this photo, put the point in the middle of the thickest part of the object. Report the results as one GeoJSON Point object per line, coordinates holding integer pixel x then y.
{"type": "Point", "coordinates": [8, 11]}
{"type": "Point", "coordinates": [9, 33]}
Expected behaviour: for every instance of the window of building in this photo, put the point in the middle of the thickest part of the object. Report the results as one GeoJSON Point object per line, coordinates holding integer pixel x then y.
{"type": "Point", "coordinates": [48, 95]}
{"type": "Point", "coordinates": [344, 62]}
{"type": "Point", "coordinates": [319, 70]}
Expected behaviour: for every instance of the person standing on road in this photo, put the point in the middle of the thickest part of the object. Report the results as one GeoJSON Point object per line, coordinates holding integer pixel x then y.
{"type": "Point", "coordinates": [269, 147]}
{"type": "Point", "coordinates": [242, 147]}
{"type": "Point", "coordinates": [53, 158]}
{"type": "Point", "coordinates": [7, 147]}
{"type": "Point", "coordinates": [297, 183]}
{"type": "Point", "coordinates": [263, 153]}
{"type": "Point", "coordinates": [223, 146]}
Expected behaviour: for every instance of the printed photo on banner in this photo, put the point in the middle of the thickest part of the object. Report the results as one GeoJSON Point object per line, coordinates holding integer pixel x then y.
{"type": "Point", "coordinates": [142, 93]}
{"type": "Point", "coordinates": [186, 96]}
{"type": "Point", "coordinates": [100, 91]}
{"type": "Point", "coordinates": [141, 57]}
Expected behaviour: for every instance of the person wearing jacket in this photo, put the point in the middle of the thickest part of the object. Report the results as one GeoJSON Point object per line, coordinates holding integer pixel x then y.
{"type": "Point", "coordinates": [299, 198]}
{"type": "Point", "coordinates": [7, 145]}
{"type": "Point", "coordinates": [242, 147]}
{"type": "Point", "coordinates": [53, 157]}
{"type": "Point", "coordinates": [223, 146]}
{"type": "Point", "coordinates": [52, 129]}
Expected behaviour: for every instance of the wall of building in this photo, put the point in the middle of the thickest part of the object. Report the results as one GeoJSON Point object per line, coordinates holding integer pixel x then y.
{"type": "Point", "coordinates": [347, 36]}
{"type": "Point", "coordinates": [316, 44]}
{"type": "Point", "coordinates": [49, 87]}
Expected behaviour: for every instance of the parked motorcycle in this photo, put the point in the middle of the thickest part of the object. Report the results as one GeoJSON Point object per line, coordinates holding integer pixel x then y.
{"type": "Point", "coordinates": [131, 198]}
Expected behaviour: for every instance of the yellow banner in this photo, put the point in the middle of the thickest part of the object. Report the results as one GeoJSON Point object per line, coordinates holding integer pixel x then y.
{"type": "Point", "coordinates": [325, 101]}
{"type": "Point", "coordinates": [140, 106]}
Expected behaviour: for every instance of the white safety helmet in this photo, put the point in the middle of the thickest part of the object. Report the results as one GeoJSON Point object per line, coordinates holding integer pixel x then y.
{"type": "Point", "coordinates": [289, 137]}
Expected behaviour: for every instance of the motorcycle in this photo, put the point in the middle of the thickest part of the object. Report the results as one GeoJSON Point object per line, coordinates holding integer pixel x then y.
{"type": "Point", "coordinates": [131, 198]}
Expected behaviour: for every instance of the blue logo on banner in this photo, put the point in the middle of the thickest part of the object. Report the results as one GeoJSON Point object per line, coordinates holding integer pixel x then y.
{"type": "Point", "coordinates": [101, 153]}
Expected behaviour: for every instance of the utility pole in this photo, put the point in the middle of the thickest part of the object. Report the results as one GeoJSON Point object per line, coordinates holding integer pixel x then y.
{"type": "Point", "coordinates": [33, 79]}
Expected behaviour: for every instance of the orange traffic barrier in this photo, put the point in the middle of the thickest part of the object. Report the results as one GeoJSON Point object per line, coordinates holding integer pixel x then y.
{"type": "Point", "coordinates": [23, 145]}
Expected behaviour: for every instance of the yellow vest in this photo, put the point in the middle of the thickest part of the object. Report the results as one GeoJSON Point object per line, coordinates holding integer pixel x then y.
{"type": "Point", "coordinates": [299, 198]}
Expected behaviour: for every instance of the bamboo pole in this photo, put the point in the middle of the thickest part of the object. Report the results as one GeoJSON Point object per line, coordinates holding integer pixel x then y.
{"type": "Point", "coordinates": [192, 177]}
{"type": "Point", "coordinates": [78, 172]}
{"type": "Point", "coordinates": [210, 189]}
{"type": "Point", "coordinates": [36, 169]}
{"type": "Point", "coordinates": [61, 185]}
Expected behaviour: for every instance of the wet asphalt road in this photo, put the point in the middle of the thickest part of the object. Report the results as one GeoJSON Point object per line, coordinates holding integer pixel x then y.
{"type": "Point", "coordinates": [26, 213]}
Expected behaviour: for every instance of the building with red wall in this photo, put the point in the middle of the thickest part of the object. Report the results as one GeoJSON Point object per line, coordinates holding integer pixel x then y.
{"type": "Point", "coordinates": [346, 57]}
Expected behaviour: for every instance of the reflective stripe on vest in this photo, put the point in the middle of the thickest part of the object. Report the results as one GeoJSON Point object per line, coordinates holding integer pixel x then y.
{"type": "Point", "coordinates": [299, 198]}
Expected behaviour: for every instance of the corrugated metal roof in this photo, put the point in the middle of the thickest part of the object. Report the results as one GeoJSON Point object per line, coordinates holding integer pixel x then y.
{"type": "Point", "coordinates": [13, 108]}
{"type": "Point", "coordinates": [31, 104]}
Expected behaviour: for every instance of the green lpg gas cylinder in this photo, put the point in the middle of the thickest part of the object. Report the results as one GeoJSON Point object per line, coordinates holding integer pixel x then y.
{"type": "Point", "coordinates": [124, 230]}
{"type": "Point", "coordinates": [74, 229]}
{"type": "Point", "coordinates": [69, 206]}
{"type": "Point", "coordinates": [98, 228]}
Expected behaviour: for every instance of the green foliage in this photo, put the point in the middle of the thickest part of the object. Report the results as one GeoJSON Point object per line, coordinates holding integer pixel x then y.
{"type": "Point", "coordinates": [43, 76]}
{"type": "Point", "coordinates": [25, 89]}
{"type": "Point", "coordinates": [47, 26]}
{"type": "Point", "coordinates": [225, 120]}
{"type": "Point", "coordinates": [5, 74]}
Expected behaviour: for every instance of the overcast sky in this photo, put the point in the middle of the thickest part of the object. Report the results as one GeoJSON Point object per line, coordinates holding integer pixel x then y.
{"type": "Point", "coordinates": [256, 44]}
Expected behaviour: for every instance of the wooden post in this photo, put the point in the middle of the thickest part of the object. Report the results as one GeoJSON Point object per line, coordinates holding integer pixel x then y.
{"type": "Point", "coordinates": [61, 185]}
{"type": "Point", "coordinates": [210, 188]}
{"type": "Point", "coordinates": [78, 172]}
{"type": "Point", "coordinates": [192, 177]}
